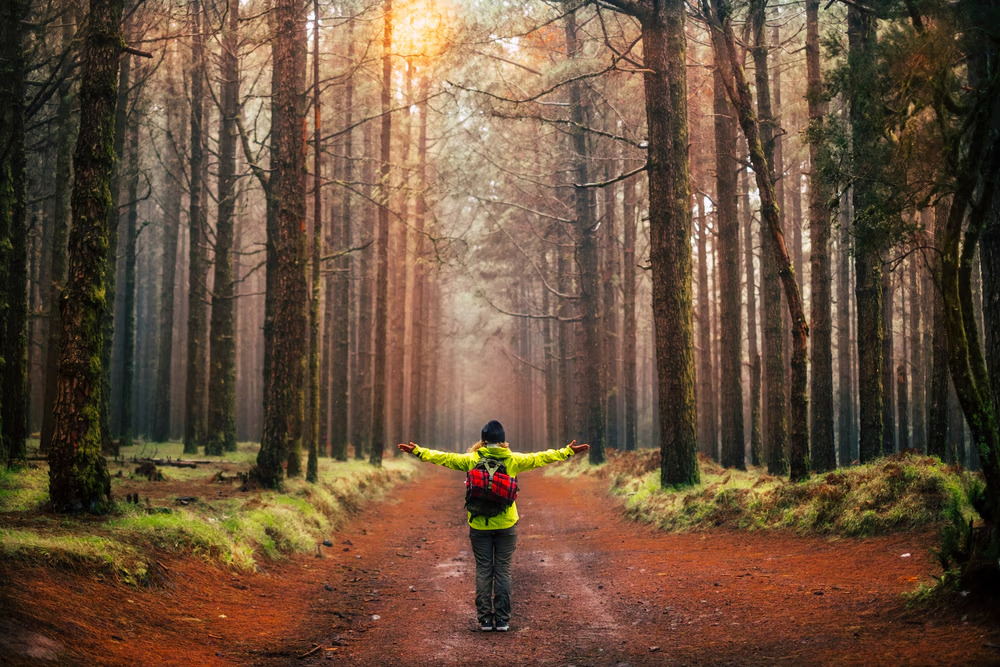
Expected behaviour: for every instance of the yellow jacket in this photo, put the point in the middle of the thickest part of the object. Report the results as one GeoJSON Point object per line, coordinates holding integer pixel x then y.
{"type": "Point", "coordinates": [516, 463]}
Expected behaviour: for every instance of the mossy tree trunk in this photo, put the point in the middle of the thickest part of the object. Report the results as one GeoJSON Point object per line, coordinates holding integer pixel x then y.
{"type": "Point", "coordinates": [286, 288]}
{"type": "Point", "coordinates": [220, 435]}
{"type": "Point", "coordinates": [665, 86]}
{"type": "Point", "coordinates": [78, 474]}
{"type": "Point", "coordinates": [13, 238]}
{"type": "Point", "coordinates": [975, 204]}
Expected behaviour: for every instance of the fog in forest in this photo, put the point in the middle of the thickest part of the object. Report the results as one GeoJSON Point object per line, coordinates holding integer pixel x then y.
{"type": "Point", "coordinates": [391, 221]}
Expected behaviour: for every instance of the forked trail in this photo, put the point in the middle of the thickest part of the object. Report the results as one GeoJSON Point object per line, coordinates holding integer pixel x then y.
{"type": "Point", "coordinates": [591, 589]}
{"type": "Point", "coordinates": [396, 588]}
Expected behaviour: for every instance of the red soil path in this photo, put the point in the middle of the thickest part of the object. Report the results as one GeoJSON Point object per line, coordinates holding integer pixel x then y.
{"type": "Point", "coordinates": [589, 589]}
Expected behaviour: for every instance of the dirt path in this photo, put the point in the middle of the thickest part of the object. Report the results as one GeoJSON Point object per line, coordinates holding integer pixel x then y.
{"type": "Point", "coordinates": [590, 590]}
{"type": "Point", "coordinates": [397, 589]}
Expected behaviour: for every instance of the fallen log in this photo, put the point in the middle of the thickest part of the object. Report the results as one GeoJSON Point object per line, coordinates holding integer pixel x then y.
{"type": "Point", "coordinates": [174, 463]}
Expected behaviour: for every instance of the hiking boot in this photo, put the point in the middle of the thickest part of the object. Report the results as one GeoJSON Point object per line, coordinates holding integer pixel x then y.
{"type": "Point", "coordinates": [502, 626]}
{"type": "Point", "coordinates": [486, 626]}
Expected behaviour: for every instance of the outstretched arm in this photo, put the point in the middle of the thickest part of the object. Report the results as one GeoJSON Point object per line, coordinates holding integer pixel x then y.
{"type": "Point", "coordinates": [463, 462]}
{"type": "Point", "coordinates": [539, 459]}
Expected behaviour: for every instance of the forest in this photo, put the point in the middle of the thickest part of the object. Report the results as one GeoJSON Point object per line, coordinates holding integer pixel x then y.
{"type": "Point", "coordinates": [730, 235]}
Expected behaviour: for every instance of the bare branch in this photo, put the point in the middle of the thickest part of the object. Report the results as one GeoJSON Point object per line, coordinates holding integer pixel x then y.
{"type": "Point", "coordinates": [622, 177]}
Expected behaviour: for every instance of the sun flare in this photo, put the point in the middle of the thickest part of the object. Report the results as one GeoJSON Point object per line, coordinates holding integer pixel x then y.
{"type": "Point", "coordinates": [421, 28]}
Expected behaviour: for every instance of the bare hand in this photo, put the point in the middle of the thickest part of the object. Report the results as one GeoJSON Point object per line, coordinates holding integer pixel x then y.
{"type": "Point", "coordinates": [578, 448]}
{"type": "Point", "coordinates": [407, 448]}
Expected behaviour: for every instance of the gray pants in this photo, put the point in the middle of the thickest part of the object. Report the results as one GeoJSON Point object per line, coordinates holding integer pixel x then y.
{"type": "Point", "coordinates": [494, 550]}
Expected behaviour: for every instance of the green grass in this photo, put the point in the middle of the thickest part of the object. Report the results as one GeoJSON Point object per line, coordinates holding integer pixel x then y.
{"type": "Point", "coordinates": [107, 556]}
{"type": "Point", "coordinates": [895, 493]}
{"type": "Point", "coordinates": [237, 531]}
{"type": "Point", "coordinates": [24, 490]}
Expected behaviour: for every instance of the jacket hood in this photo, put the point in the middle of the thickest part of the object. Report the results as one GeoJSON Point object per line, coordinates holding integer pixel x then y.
{"type": "Point", "coordinates": [496, 451]}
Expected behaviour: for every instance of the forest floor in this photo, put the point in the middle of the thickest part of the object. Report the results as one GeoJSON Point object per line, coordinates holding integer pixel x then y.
{"type": "Point", "coordinates": [590, 588]}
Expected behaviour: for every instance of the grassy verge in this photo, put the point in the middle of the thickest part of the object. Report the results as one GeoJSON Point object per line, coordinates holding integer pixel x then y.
{"type": "Point", "coordinates": [238, 529]}
{"type": "Point", "coordinates": [896, 493]}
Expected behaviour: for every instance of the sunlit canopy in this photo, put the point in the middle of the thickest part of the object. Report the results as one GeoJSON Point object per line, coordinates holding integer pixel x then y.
{"type": "Point", "coordinates": [421, 27]}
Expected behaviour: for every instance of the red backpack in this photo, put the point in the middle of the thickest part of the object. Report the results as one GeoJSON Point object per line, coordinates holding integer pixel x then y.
{"type": "Point", "coordinates": [489, 490]}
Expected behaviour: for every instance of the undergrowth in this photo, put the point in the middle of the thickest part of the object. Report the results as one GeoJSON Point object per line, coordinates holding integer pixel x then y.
{"type": "Point", "coordinates": [896, 493]}
{"type": "Point", "coordinates": [236, 532]}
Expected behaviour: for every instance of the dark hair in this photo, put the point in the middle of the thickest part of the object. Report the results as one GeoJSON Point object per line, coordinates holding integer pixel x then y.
{"type": "Point", "coordinates": [493, 432]}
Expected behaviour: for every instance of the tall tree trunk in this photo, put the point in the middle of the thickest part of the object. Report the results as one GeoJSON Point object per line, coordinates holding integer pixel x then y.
{"type": "Point", "coordinates": [121, 112]}
{"type": "Point", "coordinates": [868, 264]}
{"type": "Point", "coordinates": [361, 401]}
{"type": "Point", "coordinates": [824, 453]}
{"type": "Point", "coordinates": [727, 215]}
{"type": "Point", "coordinates": [380, 378]}
{"type": "Point", "coordinates": [78, 474]}
{"type": "Point", "coordinates": [845, 376]}
{"type": "Point", "coordinates": [587, 259]}
{"type": "Point", "coordinates": [975, 201]}
{"type": "Point", "coordinates": [13, 237]}
{"type": "Point", "coordinates": [418, 373]}
{"type": "Point", "coordinates": [66, 136]}
{"type": "Point", "coordinates": [739, 94]}
{"type": "Point", "coordinates": [756, 447]}
{"type": "Point", "coordinates": [917, 382]}
{"type": "Point", "coordinates": [937, 434]}
{"type": "Point", "coordinates": [665, 82]}
{"type": "Point", "coordinates": [127, 317]}
{"type": "Point", "coordinates": [611, 284]}
{"type": "Point", "coordinates": [399, 253]}
{"type": "Point", "coordinates": [177, 147]}
{"type": "Point", "coordinates": [628, 318]}
{"type": "Point", "coordinates": [340, 289]}
{"type": "Point", "coordinates": [286, 290]}
{"type": "Point", "coordinates": [707, 435]}
{"type": "Point", "coordinates": [564, 344]}
{"type": "Point", "coordinates": [221, 433]}
{"type": "Point", "coordinates": [888, 367]}
{"type": "Point", "coordinates": [775, 413]}
{"type": "Point", "coordinates": [194, 406]}
{"type": "Point", "coordinates": [311, 426]}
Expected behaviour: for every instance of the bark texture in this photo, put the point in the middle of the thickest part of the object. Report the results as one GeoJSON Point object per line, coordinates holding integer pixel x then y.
{"type": "Point", "coordinates": [664, 49]}
{"type": "Point", "coordinates": [824, 454]}
{"type": "Point", "coordinates": [195, 403]}
{"type": "Point", "coordinates": [286, 290]}
{"type": "Point", "coordinates": [220, 435]}
{"type": "Point", "coordinates": [78, 474]}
